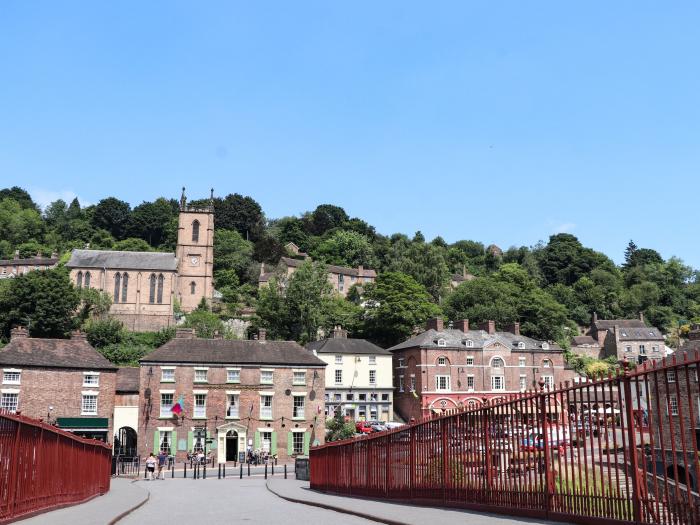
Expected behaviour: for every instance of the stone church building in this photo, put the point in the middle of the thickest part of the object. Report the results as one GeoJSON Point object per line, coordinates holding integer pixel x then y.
{"type": "Point", "coordinates": [145, 285]}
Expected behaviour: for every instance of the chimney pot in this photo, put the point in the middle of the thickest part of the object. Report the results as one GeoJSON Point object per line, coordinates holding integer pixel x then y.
{"type": "Point", "coordinates": [262, 334]}
{"type": "Point", "coordinates": [19, 332]}
{"type": "Point", "coordinates": [434, 324]}
{"type": "Point", "coordinates": [488, 326]}
{"type": "Point", "coordinates": [339, 333]}
{"type": "Point", "coordinates": [513, 328]}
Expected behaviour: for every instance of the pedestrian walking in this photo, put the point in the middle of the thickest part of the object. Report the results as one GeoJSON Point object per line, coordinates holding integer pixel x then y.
{"type": "Point", "coordinates": [150, 466]}
{"type": "Point", "coordinates": [162, 458]}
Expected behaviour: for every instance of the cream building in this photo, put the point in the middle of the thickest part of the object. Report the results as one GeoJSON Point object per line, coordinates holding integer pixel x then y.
{"type": "Point", "coordinates": [145, 285]}
{"type": "Point", "coordinates": [358, 377]}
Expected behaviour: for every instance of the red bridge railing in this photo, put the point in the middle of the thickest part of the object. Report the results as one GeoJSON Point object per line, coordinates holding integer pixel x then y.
{"type": "Point", "coordinates": [620, 449]}
{"type": "Point", "coordinates": [42, 467]}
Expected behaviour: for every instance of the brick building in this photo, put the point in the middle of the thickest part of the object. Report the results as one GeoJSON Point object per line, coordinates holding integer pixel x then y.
{"type": "Point", "coordinates": [266, 395]}
{"type": "Point", "coordinates": [446, 368]}
{"type": "Point", "coordinates": [65, 381]}
{"type": "Point", "coordinates": [587, 346]}
{"type": "Point", "coordinates": [126, 411]}
{"type": "Point", "coordinates": [17, 266]}
{"type": "Point", "coordinates": [629, 339]}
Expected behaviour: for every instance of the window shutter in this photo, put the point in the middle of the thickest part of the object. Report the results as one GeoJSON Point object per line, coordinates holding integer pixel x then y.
{"type": "Point", "coordinates": [156, 442]}
{"type": "Point", "coordinates": [190, 441]}
{"type": "Point", "coordinates": [290, 443]}
{"type": "Point", "coordinates": [256, 446]}
{"type": "Point", "coordinates": [173, 445]}
{"type": "Point", "coordinates": [273, 445]}
{"type": "Point", "coordinates": [307, 440]}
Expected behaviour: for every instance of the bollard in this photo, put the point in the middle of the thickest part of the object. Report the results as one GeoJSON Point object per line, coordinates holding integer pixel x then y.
{"type": "Point", "coordinates": [224, 470]}
{"type": "Point", "coordinates": [272, 467]}
{"type": "Point", "coordinates": [265, 470]}
{"type": "Point", "coordinates": [219, 474]}
{"type": "Point", "coordinates": [184, 464]}
{"type": "Point", "coordinates": [172, 471]}
{"type": "Point", "coordinates": [241, 470]}
{"type": "Point", "coordinates": [205, 471]}
{"type": "Point", "coordinates": [248, 469]}
{"type": "Point", "coordinates": [285, 471]}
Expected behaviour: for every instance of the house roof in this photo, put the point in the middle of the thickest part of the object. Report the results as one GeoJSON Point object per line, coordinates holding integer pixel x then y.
{"type": "Point", "coordinates": [629, 329]}
{"type": "Point", "coordinates": [32, 261]}
{"type": "Point", "coordinates": [296, 263]}
{"type": "Point", "coordinates": [128, 379]}
{"type": "Point", "coordinates": [122, 260]}
{"type": "Point", "coordinates": [457, 339]}
{"type": "Point", "coordinates": [225, 351]}
{"type": "Point", "coordinates": [581, 340]}
{"type": "Point", "coordinates": [53, 353]}
{"type": "Point", "coordinates": [343, 345]}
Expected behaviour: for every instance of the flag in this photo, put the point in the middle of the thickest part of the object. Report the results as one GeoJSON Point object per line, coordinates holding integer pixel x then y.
{"type": "Point", "coordinates": [177, 407]}
{"type": "Point", "coordinates": [414, 394]}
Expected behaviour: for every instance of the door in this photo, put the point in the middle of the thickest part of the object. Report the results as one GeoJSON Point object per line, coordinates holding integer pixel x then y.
{"type": "Point", "coordinates": [232, 445]}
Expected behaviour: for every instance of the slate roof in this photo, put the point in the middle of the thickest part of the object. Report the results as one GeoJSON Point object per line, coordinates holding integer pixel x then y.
{"type": "Point", "coordinates": [637, 334]}
{"type": "Point", "coordinates": [32, 261]}
{"type": "Point", "coordinates": [581, 340]}
{"type": "Point", "coordinates": [343, 345]}
{"type": "Point", "coordinates": [128, 379]}
{"type": "Point", "coordinates": [457, 339]}
{"type": "Point", "coordinates": [296, 263]}
{"type": "Point", "coordinates": [224, 351]}
{"type": "Point", "coordinates": [53, 353]}
{"type": "Point", "coordinates": [122, 260]}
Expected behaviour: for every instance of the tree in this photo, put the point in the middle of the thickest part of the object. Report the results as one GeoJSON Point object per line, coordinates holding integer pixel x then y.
{"type": "Point", "coordinates": [20, 196]}
{"type": "Point", "coordinates": [132, 244]}
{"type": "Point", "coordinates": [338, 429]}
{"type": "Point", "coordinates": [346, 248]}
{"type": "Point", "coordinates": [150, 221]}
{"type": "Point", "coordinates": [629, 253]}
{"type": "Point", "coordinates": [565, 260]}
{"type": "Point", "coordinates": [44, 301]}
{"type": "Point", "coordinates": [19, 224]}
{"type": "Point", "coordinates": [243, 214]}
{"type": "Point", "coordinates": [93, 303]}
{"type": "Point", "coordinates": [104, 332]}
{"type": "Point", "coordinates": [395, 305]}
{"type": "Point", "coordinates": [642, 257]}
{"type": "Point", "coordinates": [326, 217]}
{"type": "Point", "coordinates": [113, 215]}
{"type": "Point", "coordinates": [232, 253]}
{"type": "Point", "coordinates": [424, 262]}
{"type": "Point", "coordinates": [205, 323]}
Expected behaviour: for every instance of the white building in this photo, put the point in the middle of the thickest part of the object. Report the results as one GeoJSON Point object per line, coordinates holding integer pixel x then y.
{"type": "Point", "coordinates": [358, 377]}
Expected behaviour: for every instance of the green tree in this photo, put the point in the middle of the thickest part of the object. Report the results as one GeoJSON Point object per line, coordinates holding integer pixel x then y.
{"type": "Point", "coordinates": [20, 196]}
{"type": "Point", "coordinates": [205, 323]}
{"type": "Point", "coordinates": [325, 217]}
{"type": "Point", "coordinates": [132, 245]}
{"type": "Point", "coordinates": [112, 215]}
{"type": "Point", "coordinates": [338, 429]}
{"type": "Point", "coordinates": [424, 262]}
{"type": "Point", "coordinates": [19, 224]}
{"type": "Point", "coordinates": [104, 332]}
{"type": "Point", "coordinates": [232, 253]}
{"type": "Point", "coordinates": [565, 260]}
{"type": "Point", "coordinates": [346, 248]}
{"type": "Point", "coordinates": [151, 221]}
{"type": "Point", "coordinates": [239, 213]}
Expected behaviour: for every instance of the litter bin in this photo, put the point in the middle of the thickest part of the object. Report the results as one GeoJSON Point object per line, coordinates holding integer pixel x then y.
{"type": "Point", "coordinates": [301, 468]}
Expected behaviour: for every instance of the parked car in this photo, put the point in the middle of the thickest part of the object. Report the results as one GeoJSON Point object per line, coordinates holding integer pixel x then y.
{"type": "Point", "coordinates": [363, 427]}
{"type": "Point", "coordinates": [378, 427]}
{"type": "Point", "coordinates": [558, 437]}
{"type": "Point", "coordinates": [393, 424]}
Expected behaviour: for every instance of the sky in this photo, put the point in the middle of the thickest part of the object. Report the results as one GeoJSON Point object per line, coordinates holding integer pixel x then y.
{"type": "Point", "coordinates": [502, 122]}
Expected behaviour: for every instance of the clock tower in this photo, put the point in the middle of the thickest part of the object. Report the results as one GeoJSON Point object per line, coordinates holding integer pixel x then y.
{"type": "Point", "coordinates": [195, 253]}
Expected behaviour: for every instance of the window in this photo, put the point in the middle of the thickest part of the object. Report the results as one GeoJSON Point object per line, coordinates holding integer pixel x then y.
{"type": "Point", "coordinates": [628, 349]}
{"type": "Point", "coordinates": [385, 397]}
{"type": "Point", "coordinates": [546, 363]}
{"type": "Point", "coordinates": [195, 231]}
{"type": "Point", "coordinates": [89, 405]}
{"type": "Point", "coordinates": [548, 382]}
{"type": "Point", "coordinates": [9, 401]}
{"type": "Point", "coordinates": [233, 375]}
{"type": "Point", "coordinates": [373, 360]}
{"type": "Point", "coordinates": [152, 288]}
{"type": "Point", "coordinates": [373, 396]}
{"type": "Point", "coordinates": [200, 375]}
{"type": "Point", "coordinates": [298, 408]}
{"type": "Point", "coordinates": [199, 439]}
{"type": "Point", "coordinates": [165, 441]}
{"type": "Point", "coordinates": [372, 377]}
{"type": "Point", "coordinates": [498, 383]}
{"type": "Point", "coordinates": [470, 360]}
{"type": "Point", "coordinates": [266, 441]}
{"type": "Point", "coordinates": [349, 397]}
{"type": "Point", "coordinates": [298, 442]}
{"type": "Point", "coordinates": [521, 345]}
{"type": "Point", "coordinates": [79, 280]}
{"type": "Point", "coordinates": [299, 377]}
{"type": "Point", "coordinates": [373, 413]}
{"type": "Point", "coordinates": [673, 404]}
{"type": "Point", "coordinates": [339, 360]}
{"type": "Point", "coordinates": [442, 361]}
{"type": "Point", "coordinates": [338, 377]}
{"type": "Point", "coordinates": [232, 405]}
{"type": "Point", "coordinates": [471, 404]}
{"type": "Point", "coordinates": [336, 397]}
{"type": "Point", "coordinates": [470, 382]}
{"type": "Point", "coordinates": [402, 362]}
{"type": "Point", "coordinates": [166, 404]}
{"type": "Point", "coordinates": [545, 346]}
{"type": "Point", "coordinates": [193, 288]}
{"type": "Point", "coordinates": [655, 348]}
{"type": "Point", "coordinates": [125, 286]}
{"type": "Point", "coordinates": [266, 407]}
{"type": "Point", "coordinates": [671, 376]}
{"type": "Point", "coordinates": [469, 343]}
{"type": "Point", "coordinates": [363, 397]}
{"type": "Point", "coordinates": [159, 296]}
{"type": "Point", "coordinates": [521, 361]}
{"type": "Point", "coordinates": [11, 377]}
{"type": "Point", "coordinates": [266, 377]}
{"type": "Point", "coordinates": [400, 383]}
{"type": "Point", "coordinates": [341, 282]}
{"type": "Point", "coordinates": [442, 383]}
{"type": "Point", "coordinates": [167, 375]}
{"type": "Point", "coordinates": [200, 405]}
{"type": "Point", "coordinates": [642, 350]}
{"type": "Point", "coordinates": [523, 383]}
{"type": "Point", "coordinates": [117, 286]}
{"type": "Point", "coordinates": [91, 379]}
{"type": "Point", "coordinates": [87, 280]}
{"type": "Point", "coordinates": [413, 384]}
{"type": "Point", "coordinates": [497, 362]}
{"type": "Point", "coordinates": [441, 342]}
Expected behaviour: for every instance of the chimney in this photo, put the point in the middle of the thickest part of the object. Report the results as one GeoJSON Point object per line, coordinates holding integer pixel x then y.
{"type": "Point", "coordinates": [595, 317]}
{"type": "Point", "coordinates": [77, 335]}
{"type": "Point", "coordinates": [434, 324]}
{"type": "Point", "coordinates": [488, 326]}
{"type": "Point", "coordinates": [513, 328]}
{"type": "Point", "coordinates": [19, 332]}
{"type": "Point", "coordinates": [339, 333]}
{"type": "Point", "coordinates": [16, 254]}
{"type": "Point", "coordinates": [262, 334]}
{"type": "Point", "coordinates": [184, 333]}
{"type": "Point", "coordinates": [462, 324]}
{"type": "Point", "coordinates": [641, 316]}
{"type": "Point", "coordinates": [360, 271]}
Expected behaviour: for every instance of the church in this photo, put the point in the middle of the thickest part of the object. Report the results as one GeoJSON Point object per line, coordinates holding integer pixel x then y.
{"type": "Point", "coordinates": [145, 286]}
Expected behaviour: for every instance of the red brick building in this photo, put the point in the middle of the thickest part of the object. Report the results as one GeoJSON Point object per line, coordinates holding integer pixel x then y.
{"type": "Point", "coordinates": [235, 395]}
{"type": "Point", "coordinates": [447, 368]}
{"type": "Point", "coordinates": [64, 381]}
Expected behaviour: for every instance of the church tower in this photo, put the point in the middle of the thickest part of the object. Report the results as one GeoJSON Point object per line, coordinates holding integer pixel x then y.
{"type": "Point", "coordinates": [195, 253]}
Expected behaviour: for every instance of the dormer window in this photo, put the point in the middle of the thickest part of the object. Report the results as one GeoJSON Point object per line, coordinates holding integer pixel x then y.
{"type": "Point", "coordinates": [624, 334]}
{"type": "Point", "coordinates": [545, 346]}
{"type": "Point", "coordinates": [521, 345]}
{"type": "Point", "coordinates": [441, 342]}
{"type": "Point", "coordinates": [469, 343]}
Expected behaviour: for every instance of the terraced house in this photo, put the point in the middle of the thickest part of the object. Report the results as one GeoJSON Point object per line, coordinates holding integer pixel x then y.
{"type": "Point", "coordinates": [447, 368]}
{"type": "Point", "coordinates": [226, 397]}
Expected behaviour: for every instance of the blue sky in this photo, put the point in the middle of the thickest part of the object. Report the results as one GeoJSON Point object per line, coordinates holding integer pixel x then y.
{"type": "Point", "coordinates": [501, 122]}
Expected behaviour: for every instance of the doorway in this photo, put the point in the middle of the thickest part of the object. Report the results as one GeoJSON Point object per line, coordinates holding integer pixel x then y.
{"type": "Point", "coordinates": [231, 445]}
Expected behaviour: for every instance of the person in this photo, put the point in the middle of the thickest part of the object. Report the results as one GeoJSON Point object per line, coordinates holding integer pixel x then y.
{"type": "Point", "coordinates": [150, 466]}
{"type": "Point", "coordinates": [162, 458]}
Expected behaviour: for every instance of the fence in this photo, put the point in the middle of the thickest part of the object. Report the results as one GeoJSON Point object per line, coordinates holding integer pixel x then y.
{"type": "Point", "coordinates": [620, 449]}
{"type": "Point", "coordinates": [42, 467]}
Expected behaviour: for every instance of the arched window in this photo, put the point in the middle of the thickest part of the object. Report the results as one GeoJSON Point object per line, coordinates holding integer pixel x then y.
{"type": "Point", "coordinates": [521, 345]}
{"type": "Point", "coordinates": [193, 288]}
{"type": "Point", "coordinates": [79, 280]}
{"type": "Point", "coordinates": [125, 286]}
{"type": "Point", "coordinates": [546, 363]}
{"type": "Point", "coordinates": [152, 288]}
{"type": "Point", "coordinates": [469, 343]}
{"type": "Point", "coordinates": [497, 362]}
{"type": "Point", "coordinates": [195, 231]}
{"type": "Point", "coordinates": [117, 286]}
{"type": "Point", "coordinates": [160, 289]}
{"type": "Point", "coordinates": [471, 404]}
{"type": "Point", "coordinates": [87, 279]}
{"type": "Point", "coordinates": [441, 342]}
{"type": "Point", "coordinates": [442, 361]}
{"type": "Point", "coordinates": [545, 346]}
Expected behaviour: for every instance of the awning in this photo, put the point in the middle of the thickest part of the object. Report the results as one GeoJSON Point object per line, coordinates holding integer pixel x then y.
{"type": "Point", "coordinates": [98, 424]}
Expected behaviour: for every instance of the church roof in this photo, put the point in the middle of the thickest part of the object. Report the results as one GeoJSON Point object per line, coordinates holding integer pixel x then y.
{"type": "Point", "coordinates": [122, 260]}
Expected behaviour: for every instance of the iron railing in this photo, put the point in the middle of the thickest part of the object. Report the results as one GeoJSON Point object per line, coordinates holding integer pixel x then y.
{"type": "Point", "coordinates": [619, 449]}
{"type": "Point", "coordinates": [42, 467]}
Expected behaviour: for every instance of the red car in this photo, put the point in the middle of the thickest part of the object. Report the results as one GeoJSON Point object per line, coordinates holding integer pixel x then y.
{"type": "Point", "coordinates": [363, 427]}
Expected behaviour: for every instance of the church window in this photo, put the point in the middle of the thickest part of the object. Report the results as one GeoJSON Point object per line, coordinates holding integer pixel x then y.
{"type": "Point", "coordinates": [152, 288]}
{"type": "Point", "coordinates": [87, 279]}
{"type": "Point", "coordinates": [193, 288]}
{"type": "Point", "coordinates": [79, 283]}
{"type": "Point", "coordinates": [117, 286]}
{"type": "Point", "coordinates": [195, 231]}
{"type": "Point", "coordinates": [159, 300]}
{"type": "Point", "coordinates": [125, 286]}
